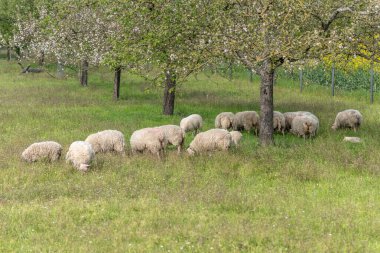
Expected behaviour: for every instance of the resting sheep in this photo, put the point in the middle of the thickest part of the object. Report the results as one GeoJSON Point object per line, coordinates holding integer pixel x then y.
{"type": "Point", "coordinates": [192, 123]}
{"type": "Point", "coordinates": [49, 150]}
{"type": "Point", "coordinates": [107, 141]}
{"type": "Point", "coordinates": [236, 137]}
{"type": "Point", "coordinates": [174, 135]}
{"type": "Point", "coordinates": [279, 122]}
{"type": "Point", "coordinates": [211, 140]}
{"type": "Point", "coordinates": [305, 126]}
{"type": "Point", "coordinates": [148, 139]}
{"type": "Point", "coordinates": [246, 120]}
{"type": "Point", "coordinates": [224, 120]}
{"type": "Point", "coordinates": [80, 154]}
{"type": "Point", "coordinates": [348, 119]}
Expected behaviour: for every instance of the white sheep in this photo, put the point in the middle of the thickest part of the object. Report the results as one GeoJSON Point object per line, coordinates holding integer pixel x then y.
{"type": "Point", "coordinates": [174, 135]}
{"type": "Point", "coordinates": [80, 154]}
{"type": "Point", "coordinates": [289, 116]}
{"type": "Point", "coordinates": [305, 126]}
{"type": "Point", "coordinates": [236, 137]}
{"type": "Point", "coordinates": [107, 141]}
{"type": "Point", "coordinates": [211, 140]}
{"type": "Point", "coordinates": [191, 123]}
{"type": "Point", "coordinates": [348, 119]}
{"type": "Point", "coordinates": [224, 120]}
{"type": "Point", "coordinates": [148, 139]}
{"type": "Point", "coordinates": [49, 150]}
{"type": "Point", "coordinates": [279, 122]}
{"type": "Point", "coordinates": [246, 120]}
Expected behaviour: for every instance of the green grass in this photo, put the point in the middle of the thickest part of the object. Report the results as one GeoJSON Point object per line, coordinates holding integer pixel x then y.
{"type": "Point", "coordinates": [319, 195]}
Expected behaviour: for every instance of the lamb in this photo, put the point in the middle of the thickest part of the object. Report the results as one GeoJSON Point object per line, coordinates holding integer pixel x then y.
{"type": "Point", "coordinates": [279, 122]}
{"type": "Point", "coordinates": [192, 123]}
{"type": "Point", "coordinates": [289, 116]}
{"type": "Point", "coordinates": [174, 135]}
{"type": "Point", "coordinates": [246, 120]}
{"type": "Point", "coordinates": [148, 139]}
{"type": "Point", "coordinates": [211, 140]}
{"type": "Point", "coordinates": [348, 119]}
{"type": "Point", "coordinates": [80, 154]}
{"type": "Point", "coordinates": [305, 126]}
{"type": "Point", "coordinates": [49, 150]}
{"type": "Point", "coordinates": [224, 120]}
{"type": "Point", "coordinates": [107, 141]}
{"type": "Point", "coordinates": [236, 137]}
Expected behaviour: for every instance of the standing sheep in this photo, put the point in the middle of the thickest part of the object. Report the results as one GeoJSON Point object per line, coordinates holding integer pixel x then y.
{"type": "Point", "coordinates": [236, 137]}
{"type": "Point", "coordinates": [247, 120]}
{"type": "Point", "coordinates": [148, 139]}
{"type": "Point", "coordinates": [224, 120]}
{"type": "Point", "coordinates": [80, 154]}
{"type": "Point", "coordinates": [107, 141]}
{"type": "Point", "coordinates": [279, 122]}
{"type": "Point", "coordinates": [211, 140]}
{"type": "Point", "coordinates": [305, 126]}
{"type": "Point", "coordinates": [348, 119]}
{"type": "Point", "coordinates": [49, 150]}
{"type": "Point", "coordinates": [174, 135]}
{"type": "Point", "coordinates": [192, 123]}
{"type": "Point", "coordinates": [289, 116]}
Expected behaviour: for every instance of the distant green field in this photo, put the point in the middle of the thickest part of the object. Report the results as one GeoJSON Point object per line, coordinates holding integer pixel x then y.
{"type": "Point", "coordinates": [319, 195]}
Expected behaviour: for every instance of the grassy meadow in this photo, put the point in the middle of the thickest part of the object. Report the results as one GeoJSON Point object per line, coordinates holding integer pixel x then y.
{"type": "Point", "coordinates": [320, 195]}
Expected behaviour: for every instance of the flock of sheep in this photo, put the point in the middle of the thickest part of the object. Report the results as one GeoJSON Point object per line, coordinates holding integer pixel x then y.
{"type": "Point", "coordinates": [154, 140]}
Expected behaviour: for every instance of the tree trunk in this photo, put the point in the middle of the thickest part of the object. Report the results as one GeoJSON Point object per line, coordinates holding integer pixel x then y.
{"type": "Point", "coordinates": [60, 70]}
{"type": "Point", "coordinates": [41, 58]}
{"type": "Point", "coordinates": [266, 104]}
{"type": "Point", "coordinates": [116, 83]}
{"type": "Point", "coordinates": [84, 73]}
{"type": "Point", "coordinates": [169, 93]}
{"type": "Point", "coordinates": [8, 53]}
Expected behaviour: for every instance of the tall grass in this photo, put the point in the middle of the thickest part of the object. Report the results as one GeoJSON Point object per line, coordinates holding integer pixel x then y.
{"type": "Point", "coordinates": [318, 195]}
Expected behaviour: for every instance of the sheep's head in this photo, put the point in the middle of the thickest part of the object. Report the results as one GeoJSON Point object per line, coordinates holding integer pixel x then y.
{"type": "Point", "coordinates": [334, 126]}
{"type": "Point", "coordinates": [308, 127]}
{"type": "Point", "coordinates": [83, 167]}
{"type": "Point", "coordinates": [190, 151]}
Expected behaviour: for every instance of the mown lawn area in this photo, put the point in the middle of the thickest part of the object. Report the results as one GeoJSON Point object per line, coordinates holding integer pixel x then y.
{"type": "Point", "coordinates": [319, 195]}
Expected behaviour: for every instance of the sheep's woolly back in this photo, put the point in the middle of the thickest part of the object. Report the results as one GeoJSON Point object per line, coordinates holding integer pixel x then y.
{"type": "Point", "coordinates": [49, 150]}
{"type": "Point", "coordinates": [236, 137]}
{"type": "Point", "coordinates": [174, 135]}
{"type": "Point", "coordinates": [246, 120]}
{"type": "Point", "coordinates": [279, 121]}
{"type": "Point", "coordinates": [211, 140]}
{"type": "Point", "coordinates": [224, 120]}
{"type": "Point", "coordinates": [305, 126]}
{"type": "Point", "coordinates": [348, 119]}
{"type": "Point", "coordinates": [107, 141]}
{"type": "Point", "coordinates": [148, 139]}
{"type": "Point", "coordinates": [191, 123]}
{"type": "Point", "coordinates": [80, 154]}
{"type": "Point", "coordinates": [289, 116]}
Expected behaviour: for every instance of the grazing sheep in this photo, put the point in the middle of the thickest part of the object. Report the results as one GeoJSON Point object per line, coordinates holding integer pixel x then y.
{"type": "Point", "coordinates": [279, 122]}
{"type": "Point", "coordinates": [289, 116]}
{"type": "Point", "coordinates": [305, 126]}
{"type": "Point", "coordinates": [236, 137]}
{"type": "Point", "coordinates": [107, 141]}
{"type": "Point", "coordinates": [49, 150]}
{"type": "Point", "coordinates": [174, 135]}
{"type": "Point", "coordinates": [192, 123]}
{"type": "Point", "coordinates": [246, 120]}
{"type": "Point", "coordinates": [80, 154]}
{"type": "Point", "coordinates": [211, 140]}
{"type": "Point", "coordinates": [148, 139]}
{"type": "Point", "coordinates": [224, 120]}
{"type": "Point", "coordinates": [348, 119]}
